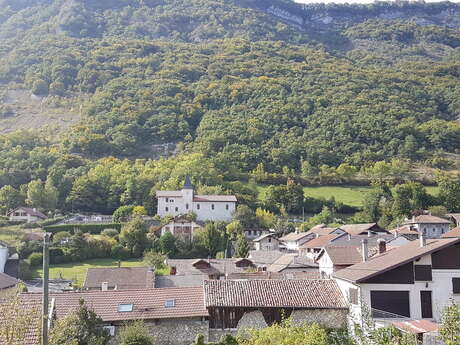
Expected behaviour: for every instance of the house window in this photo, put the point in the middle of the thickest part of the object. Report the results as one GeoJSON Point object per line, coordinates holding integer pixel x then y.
{"type": "Point", "coordinates": [197, 206]}
{"type": "Point", "coordinates": [269, 240]}
{"type": "Point", "coordinates": [226, 207]}
{"type": "Point", "coordinates": [212, 206]}
{"type": "Point", "coordinates": [122, 308]}
{"type": "Point", "coordinates": [167, 209]}
{"type": "Point", "coordinates": [177, 209]}
{"type": "Point", "coordinates": [423, 273]}
{"type": "Point", "coordinates": [186, 206]}
{"type": "Point", "coordinates": [167, 199]}
{"type": "Point", "coordinates": [171, 200]}
{"type": "Point", "coordinates": [456, 285]}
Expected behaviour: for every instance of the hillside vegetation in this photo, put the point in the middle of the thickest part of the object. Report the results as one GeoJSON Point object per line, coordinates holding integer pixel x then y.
{"type": "Point", "coordinates": [236, 83]}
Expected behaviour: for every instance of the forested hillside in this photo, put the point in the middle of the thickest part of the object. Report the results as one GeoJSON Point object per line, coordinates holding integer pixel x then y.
{"type": "Point", "coordinates": [236, 82]}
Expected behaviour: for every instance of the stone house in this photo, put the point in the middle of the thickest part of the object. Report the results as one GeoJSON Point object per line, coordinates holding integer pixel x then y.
{"type": "Point", "coordinates": [26, 214]}
{"type": "Point", "coordinates": [206, 207]}
{"type": "Point", "coordinates": [237, 304]}
{"type": "Point", "coordinates": [415, 281]}
{"type": "Point", "coordinates": [266, 242]}
{"type": "Point", "coordinates": [428, 225]}
{"type": "Point", "coordinates": [182, 227]}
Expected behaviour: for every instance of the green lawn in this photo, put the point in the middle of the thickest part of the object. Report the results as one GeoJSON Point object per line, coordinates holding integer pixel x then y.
{"type": "Point", "coordinates": [76, 271]}
{"type": "Point", "coordinates": [350, 195]}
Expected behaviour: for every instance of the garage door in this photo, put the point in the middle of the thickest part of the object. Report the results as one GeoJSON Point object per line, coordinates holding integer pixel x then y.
{"type": "Point", "coordinates": [394, 302]}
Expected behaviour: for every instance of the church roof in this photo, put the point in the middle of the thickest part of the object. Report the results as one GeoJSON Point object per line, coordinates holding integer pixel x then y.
{"type": "Point", "coordinates": [188, 183]}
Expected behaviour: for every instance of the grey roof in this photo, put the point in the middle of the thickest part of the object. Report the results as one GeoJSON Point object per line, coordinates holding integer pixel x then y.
{"type": "Point", "coordinates": [120, 277]}
{"type": "Point", "coordinates": [169, 193]}
{"type": "Point", "coordinates": [356, 240]}
{"type": "Point", "coordinates": [190, 280]}
{"type": "Point", "coordinates": [292, 261]}
{"type": "Point", "coordinates": [215, 266]}
{"type": "Point", "coordinates": [30, 211]}
{"type": "Point", "coordinates": [427, 219]}
{"type": "Point", "coordinates": [294, 237]}
{"type": "Point", "coordinates": [7, 281]}
{"type": "Point", "coordinates": [357, 229]}
{"type": "Point", "coordinates": [261, 237]}
{"type": "Point", "coordinates": [264, 257]}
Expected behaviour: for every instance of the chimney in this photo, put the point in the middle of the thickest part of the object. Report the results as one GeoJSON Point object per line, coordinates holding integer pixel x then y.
{"type": "Point", "coordinates": [349, 237]}
{"type": "Point", "coordinates": [173, 270]}
{"type": "Point", "coordinates": [316, 235]}
{"type": "Point", "coordinates": [422, 240]}
{"type": "Point", "coordinates": [382, 245]}
{"type": "Point", "coordinates": [35, 210]}
{"type": "Point", "coordinates": [369, 234]}
{"type": "Point", "coordinates": [104, 286]}
{"type": "Point", "coordinates": [364, 250]}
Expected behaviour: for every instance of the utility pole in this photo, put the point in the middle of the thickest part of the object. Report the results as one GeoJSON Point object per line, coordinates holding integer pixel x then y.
{"type": "Point", "coordinates": [45, 311]}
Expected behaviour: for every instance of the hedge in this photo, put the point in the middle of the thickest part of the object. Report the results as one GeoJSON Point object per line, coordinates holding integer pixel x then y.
{"type": "Point", "coordinates": [94, 229]}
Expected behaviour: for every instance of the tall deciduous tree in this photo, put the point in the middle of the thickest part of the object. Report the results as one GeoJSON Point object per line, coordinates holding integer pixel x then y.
{"type": "Point", "coordinates": [134, 236]}
{"type": "Point", "coordinates": [10, 198]}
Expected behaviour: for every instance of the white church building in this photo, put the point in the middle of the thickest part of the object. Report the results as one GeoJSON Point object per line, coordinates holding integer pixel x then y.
{"type": "Point", "coordinates": [206, 207]}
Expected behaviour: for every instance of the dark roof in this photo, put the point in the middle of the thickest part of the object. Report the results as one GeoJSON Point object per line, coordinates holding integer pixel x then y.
{"type": "Point", "coordinates": [342, 255]}
{"type": "Point", "coordinates": [320, 241]}
{"type": "Point", "coordinates": [7, 281]}
{"type": "Point", "coordinates": [455, 232]}
{"type": "Point", "coordinates": [312, 294]}
{"type": "Point", "coordinates": [324, 230]}
{"type": "Point", "coordinates": [427, 219]}
{"type": "Point", "coordinates": [180, 281]}
{"type": "Point", "coordinates": [215, 266]}
{"type": "Point", "coordinates": [12, 266]}
{"type": "Point", "coordinates": [358, 229]}
{"type": "Point", "coordinates": [188, 183]}
{"type": "Point", "coordinates": [147, 303]}
{"type": "Point", "coordinates": [391, 259]}
{"type": "Point", "coordinates": [356, 240]}
{"type": "Point", "coordinates": [119, 278]}
{"type": "Point", "coordinates": [30, 211]}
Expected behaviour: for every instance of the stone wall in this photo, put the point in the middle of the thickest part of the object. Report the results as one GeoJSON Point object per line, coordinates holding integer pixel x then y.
{"type": "Point", "coordinates": [329, 318]}
{"type": "Point", "coordinates": [177, 331]}
{"type": "Point", "coordinates": [432, 338]}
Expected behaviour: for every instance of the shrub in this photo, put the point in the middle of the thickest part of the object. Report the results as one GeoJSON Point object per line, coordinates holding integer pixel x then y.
{"type": "Point", "coordinates": [135, 333]}
{"type": "Point", "coordinates": [51, 221]}
{"type": "Point", "coordinates": [35, 259]}
{"type": "Point", "coordinates": [119, 252]}
{"type": "Point", "coordinates": [110, 233]}
{"type": "Point", "coordinates": [61, 235]}
{"type": "Point", "coordinates": [30, 226]}
{"type": "Point", "coordinates": [94, 229]}
{"type": "Point", "coordinates": [25, 273]}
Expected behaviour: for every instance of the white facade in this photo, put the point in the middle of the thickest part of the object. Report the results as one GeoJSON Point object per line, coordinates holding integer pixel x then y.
{"type": "Point", "coordinates": [184, 230]}
{"type": "Point", "coordinates": [441, 288]}
{"type": "Point", "coordinates": [431, 230]}
{"type": "Point", "coordinates": [206, 207]}
{"type": "Point", "coordinates": [326, 267]}
{"type": "Point", "coordinates": [3, 257]}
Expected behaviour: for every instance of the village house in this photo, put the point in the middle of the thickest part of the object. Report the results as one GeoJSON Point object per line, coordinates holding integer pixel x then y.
{"type": "Point", "coordinates": [414, 281]}
{"type": "Point", "coordinates": [321, 230]}
{"type": "Point", "coordinates": [293, 262]}
{"type": "Point", "coordinates": [26, 214]}
{"type": "Point", "coordinates": [362, 229]}
{"type": "Point", "coordinates": [238, 304]}
{"type": "Point", "coordinates": [429, 226]}
{"type": "Point", "coordinates": [264, 258]}
{"type": "Point", "coordinates": [206, 207]}
{"type": "Point", "coordinates": [252, 234]}
{"type": "Point", "coordinates": [406, 231]}
{"type": "Point", "coordinates": [313, 247]}
{"type": "Point", "coordinates": [332, 259]}
{"type": "Point", "coordinates": [119, 278]}
{"type": "Point", "coordinates": [9, 263]}
{"type": "Point", "coordinates": [292, 241]}
{"type": "Point", "coordinates": [211, 268]}
{"type": "Point", "coordinates": [182, 227]}
{"type": "Point", "coordinates": [266, 242]}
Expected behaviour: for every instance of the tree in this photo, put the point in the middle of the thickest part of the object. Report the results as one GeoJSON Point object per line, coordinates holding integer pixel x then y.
{"type": "Point", "coordinates": [326, 216]}
{"type": "Point", "coordinates": [36, 194]}
{"type": "Point", "coordinates": [10, 198]}
{"type": "Point", "coordinates": [168, 244]}
{"type": "Point", "coordinates": [449, 192]}
{"type": "Point", "coordinates": [81, 327]}
{"type": "Point", "coordinates": [265, 218]}
{"type": "Point", "coordinates": [245, 216]}
{"type": "Point", "coordinates": [242, 246]}
{"type": "Point", "coordinates": [450, 329]}
{"type": "Point", "coordinates": [211, 238]}
{"type": "Point", "coordinates": [134, 236]}
{"type": "Point", "coordinates": [123, 213]}
{"type": "Point", "coordinates": [16, 321]}
{"type": "Point", "coordinates": [154, 259]}
{"type": "Point", "coordinates": [135, 333]}
{"type": "Point", "coordinates": [234, 228]}
{"type": "Point", "coordinates": [50, 195]}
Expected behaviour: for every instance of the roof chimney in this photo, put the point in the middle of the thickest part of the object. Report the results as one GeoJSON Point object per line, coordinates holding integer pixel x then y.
{"type": "Point", "coordinates": [349, 237]}
{"type": "Point", "coordinates": [364, 249]}
{"type": "Point", "coordinates": [422, 240]}
{"type": "Point", "coordinates": [104, 286]}
{"type": "Point", "coordinates": [382, 245]}
{"type": "Point", "coordinates": [369, 234]}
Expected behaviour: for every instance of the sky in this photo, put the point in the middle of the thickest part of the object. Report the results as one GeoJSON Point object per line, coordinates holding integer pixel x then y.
{"type": "Point", "coordinates": [350, 1]}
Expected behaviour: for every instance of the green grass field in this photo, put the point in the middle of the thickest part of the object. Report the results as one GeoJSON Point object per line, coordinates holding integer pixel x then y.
{"type": "Point", "coordinates": [350, 195]}
{"type": "Point", "coordinates": [76, 271]}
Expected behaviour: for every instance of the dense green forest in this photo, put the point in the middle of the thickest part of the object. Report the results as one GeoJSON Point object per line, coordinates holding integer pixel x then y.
{"type": "Point", "coordinates": [237, 90]}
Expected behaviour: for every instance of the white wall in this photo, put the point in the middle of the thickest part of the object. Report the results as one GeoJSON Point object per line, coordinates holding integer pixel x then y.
{"type": "Point", "coordinates": [432, 230]}
{"type": "Point", "coordinates": [3, 258]}
{"type": "Point", "coordinates": [326, 267]}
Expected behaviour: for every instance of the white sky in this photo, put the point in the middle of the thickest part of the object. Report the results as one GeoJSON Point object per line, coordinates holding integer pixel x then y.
{"type": "Point", "coordinates": [351, 1]}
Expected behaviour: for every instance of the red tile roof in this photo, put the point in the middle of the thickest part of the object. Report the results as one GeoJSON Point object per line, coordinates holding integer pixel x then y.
{"type": "Point", "coordinates": [417, 326]}
{"type": "Point", "coordinates": [215, 198]}
{"type": "Point", "coordinates": [147, 304]}
{"type": "Point", "coordinates": [391, 259]}
{"type": "Point", "coordinates": [319, 242]}
{"type": "Point", "coordinates": [273, 275]}
{"type": "Point", "coordinates": [404, 230]}
{"type": "Point", "coordinates": [324, 230]}
{"type": "Point", "coordinates": [295, 236]}
{"type": "Point", "coordinates": [311, 294]}
{"type": "Point", "coordinates": [455, 232]}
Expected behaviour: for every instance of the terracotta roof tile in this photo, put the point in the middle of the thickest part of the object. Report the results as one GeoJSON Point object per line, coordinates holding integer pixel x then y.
{"type": "Point", "coordinates": [343, 255]}
{"type": "Point", "coordinates": [357, 229]}
{"type": "Point", "coordinates": [274, 275]}
{"type": "Point", "coordinates": [324, 230]}
{"type": "Point", "coordinates": [215, 198]}
{"type": "Point", "coordinates": [427, 219]}
{"type": "Point", "coordinates": [294, 237]}
{"type": "Point", "coordinates": [147, 303]}
{"type": "Point", "coordinates": [417, 326]}
{"type": "Point", "coordinates": [392, 259]}
{"type": "Point", "coordinates": [320, 241]}
{"type": "Point", "coordinates": [455, 232]}
{"type": "Point", "coordinates": [7, 281]}
{"type": "Point", "coordinates": [274, 294]}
